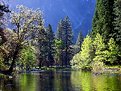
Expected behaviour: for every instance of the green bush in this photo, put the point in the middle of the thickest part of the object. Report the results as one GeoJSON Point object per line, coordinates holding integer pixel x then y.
{"type": "Point", "coordinates": [97, 66]}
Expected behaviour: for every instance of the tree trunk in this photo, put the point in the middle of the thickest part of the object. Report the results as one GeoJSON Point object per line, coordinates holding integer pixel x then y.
{"type": "Point", "coordinates": [2, 35]}
{"type": "Point", "coordinates": [10, 70]}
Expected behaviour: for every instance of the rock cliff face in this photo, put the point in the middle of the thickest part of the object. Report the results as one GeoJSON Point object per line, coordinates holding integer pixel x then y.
{"type": "Point", "coordinates": [80, 12]}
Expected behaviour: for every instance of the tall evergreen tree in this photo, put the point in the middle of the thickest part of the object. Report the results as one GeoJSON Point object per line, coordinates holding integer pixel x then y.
{"type": "Point", "coordinates": [103, 19]}
{"type": "Point", "coordinates": [64, 33]}
{"type": "Point", "coordinates": [59, 42]}
{"type": "Point", "coordinates": [113, 53]}
{"type": "Point", "coordinates": [58, 52]}
{"type": "Point", "coordinates": [100, 48]}
{"type": "Point", "coordinates": [87, 52]}
{"type": "Point", "coordinates": [50, 39]}
{"type": "Point", "coordinates": [117, 22]}
{"type": "Point", "coordinates": [67, 40]}
{"type": "Point", "coordinates": [59, 30]}
{"type": "Point", "coordinates": [42, 48]}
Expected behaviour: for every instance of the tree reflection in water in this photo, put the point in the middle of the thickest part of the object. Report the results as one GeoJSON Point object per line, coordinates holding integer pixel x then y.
{"type": "Point", "coordinates": [62, 81]}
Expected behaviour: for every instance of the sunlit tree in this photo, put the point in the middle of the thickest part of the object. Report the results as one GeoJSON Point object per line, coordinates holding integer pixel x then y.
{"type": "Point", "coordinates": [84, 58]}
{"type": "Point", "coordinates": [100, 48]}
{"type": "Point", "coordinates": [58, 51]}
{"type": "Point", "coordinates": [87, 52]}
{"type": "Point", "coordinates": [25, 22]}
{"type": "Point", "coordinates": [27, 58]}
{"type": "Point", "coordinates": [113, 53]}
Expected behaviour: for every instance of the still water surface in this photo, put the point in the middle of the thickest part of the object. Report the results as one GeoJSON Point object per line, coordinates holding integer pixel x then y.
{"type": "Point", "coordinates": [62, 81]}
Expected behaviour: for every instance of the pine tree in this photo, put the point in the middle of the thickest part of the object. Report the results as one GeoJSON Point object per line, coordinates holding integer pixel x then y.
{"type": "Point", "coordinates": [98, 18]}
{"type": "Point", "coordinates": [87, 53]}
{"type": "Point", "coordinates": [42, 48]}
{"type": "Point", "coordinates": [67, 40]}
{"type": "Point", "coordinates": [58, 51]}
{"type": "Point", "coordinates": [103, 19]}
{"type": "Point", "coordinates": [84, 58]}
{"type": "Point", "coordinates": [59, 43]}
{"type": "Point", "coordinates": [50, 39]}
{"type": "Point", "coordinates": [64, 33]}
{"type": "Point", "coordinates": [117, 22]}
{"type": "Point", "coordinates": [76, 62]}
{"type": "Point", "coordinates": [113, 53]}
{"type": "Point", "coordinates": [100, 48]}
{"type": "Point", "coordinates": [59, 30]}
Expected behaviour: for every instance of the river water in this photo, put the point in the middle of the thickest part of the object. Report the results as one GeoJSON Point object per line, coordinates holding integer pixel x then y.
{"type": "Point", "coordinates": [62, 81]}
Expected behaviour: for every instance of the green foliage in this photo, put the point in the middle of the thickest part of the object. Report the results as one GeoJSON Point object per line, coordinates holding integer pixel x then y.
{"type": "Point", "coordinates": [113, 51]}
{"type": "Point", "coordinates": [51, 46]}
{"type": "Point", "coordinates": [76, 62]}
{"type": "Point", "coordinates": [64, 33]}
{"type": "Point", "coordinates": [27, 57]}
{"type": "Point", "coordinates": [58, 45]}
{"type": "Point", "coordinates": [2, 66]}
{"type": "Point", "coordinates": [107, 22]}
{"type": "Point", "coordinates": [25, 22]}
{"type": "Point", "coordinates": [97, 66]}
{"type": "Point", "coordinates": [84, 58]}
{"type": "Point", "coordinates": [103, 18]}
{"type": "Point", "coordinates": [106, 33]}
{"type": "Point", "coordinates": [59, 30]}
{"type": "Point", "coordinates": [117, 22]}
{"type": "Point", "coordinates": [87, 52]}
{"type": "Point", "coordinates": [100, 48]}
{"type": "Point", "coordinates": [42, 47]}
{"type": "Point", "coordinates": [106, 53]}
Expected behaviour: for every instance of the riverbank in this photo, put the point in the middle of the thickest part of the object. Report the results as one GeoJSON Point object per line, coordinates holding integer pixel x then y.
{"type": "Point", "coordinates": [112, 69]}
{"type": "Point", "coordinates": [104, 70]}
{"type": "Point", "coordinates": [108, 69]}
{"type": "Point", "coordinates": [54, 68]}
{"type": "Point", "coordinates": [62, 81]}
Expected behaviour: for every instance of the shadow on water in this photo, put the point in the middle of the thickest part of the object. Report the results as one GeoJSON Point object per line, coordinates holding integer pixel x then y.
{"type": "Point", "coordinates": [55, 81]}
{"type": "Point", "coordinates": [62, 81]}
{"type": "Point", "coordinates": [8, 85]}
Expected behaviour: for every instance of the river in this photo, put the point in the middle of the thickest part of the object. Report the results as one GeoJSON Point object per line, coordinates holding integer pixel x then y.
{"type": "Point", "coordinates": [62, 81]}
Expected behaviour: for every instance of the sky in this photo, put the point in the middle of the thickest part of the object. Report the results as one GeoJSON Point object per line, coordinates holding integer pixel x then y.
{"type": "Point", "coordinates": [80, 12]}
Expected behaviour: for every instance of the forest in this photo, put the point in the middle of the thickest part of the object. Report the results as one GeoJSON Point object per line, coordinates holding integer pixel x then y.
{"type": "Point", "coordinates": [27, 44]}
{"type": "Point", "coordinates": [101, 47]}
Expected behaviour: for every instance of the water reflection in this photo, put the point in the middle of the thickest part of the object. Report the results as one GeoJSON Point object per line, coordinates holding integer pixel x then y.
{"type": "Point", "coordinates": [62, 81]}
{"type": "Point", "coordinates": [54, 81]}
{"type": "Point", "coordinates": [86, 81]}
{"type": "Point", "coordinates": [8, 85]}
